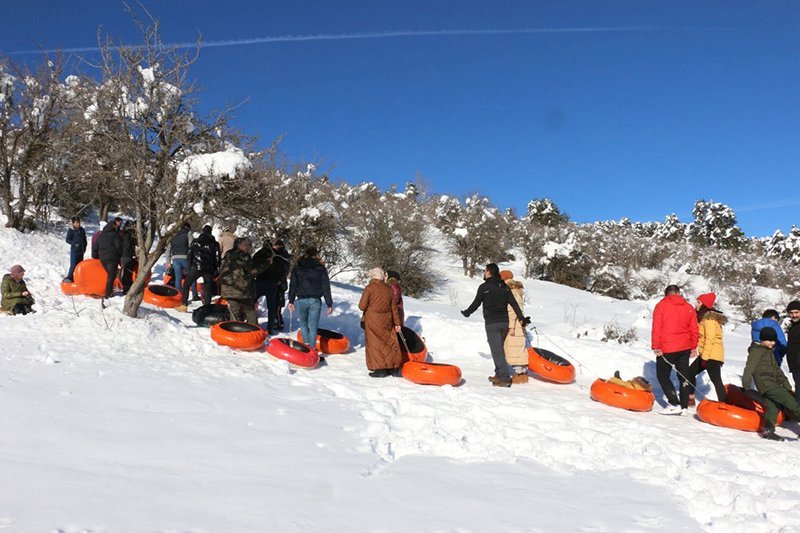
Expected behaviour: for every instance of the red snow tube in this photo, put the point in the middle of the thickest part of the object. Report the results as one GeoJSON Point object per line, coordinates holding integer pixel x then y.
{"type": "Point", "coordinates": [618, 396]}
{"type": "Point", "coordinates": [750, 400]}
{"type": "Point", "coordinates": [70, 288]}
{"type": "Point", "coordinates": [238, 335]}
{"type": "Point", "coordinates": [329, 342]}
{"type": "Point", "coordinates": [90, 277]}
{"type": "Point", "coordinates": [417, 351]}
{"type": "Point", "coordinates": [730, 416]}
{"type": "Point", "coordinates": [550, 366]}
{"type": "Point", "coordinates": [162, 296]}
{"type": "Point", "coordinates": [296, 353]}
{"type": "Point", "coordinates": [431, 373]}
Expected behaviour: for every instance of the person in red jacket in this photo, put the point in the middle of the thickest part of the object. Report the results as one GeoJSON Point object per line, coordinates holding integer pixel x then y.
{"type": "Point", "coordinates": [675, 338]}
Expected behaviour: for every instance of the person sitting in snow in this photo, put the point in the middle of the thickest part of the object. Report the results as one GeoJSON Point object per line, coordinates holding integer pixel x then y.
{"type": "Point", "coordinates": [495, 296]}
{"type": "Point", "coordinates": [770, 318]}
{"type": "Point", "coordinates": [674, 339]}
{"type": "Point", "coordinates": [637, 383]}
{"type": "Point", "coordinates": [770, 381]}
{"type": "Point", "coordinates": [514, 345]}
{"type": "Point", "coordinates": [710, 347]}
{"type": "Point", "coordinates": [16, 298]}
{"type": "Point", "coordinates": [237, 278]}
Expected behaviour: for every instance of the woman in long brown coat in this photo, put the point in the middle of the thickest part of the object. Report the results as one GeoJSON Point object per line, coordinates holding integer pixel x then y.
{"type": "Point", "coordinates": [381, 324]}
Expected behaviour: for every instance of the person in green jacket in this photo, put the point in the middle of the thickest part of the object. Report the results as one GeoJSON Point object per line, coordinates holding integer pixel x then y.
{"type": "Point", "coordinates": [237, 279]}
{"type": "Point", "coordinates": [16, 299]}
{"type": "Point", "coordinates": [770, 380]}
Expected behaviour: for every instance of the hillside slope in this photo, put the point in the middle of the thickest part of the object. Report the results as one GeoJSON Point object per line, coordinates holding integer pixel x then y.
{"type": "Point", "coordinates": [118, 424]}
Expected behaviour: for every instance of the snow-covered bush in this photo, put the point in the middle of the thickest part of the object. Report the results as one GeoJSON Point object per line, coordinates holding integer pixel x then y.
{"type": "Point", "coordinates": [715, 225]}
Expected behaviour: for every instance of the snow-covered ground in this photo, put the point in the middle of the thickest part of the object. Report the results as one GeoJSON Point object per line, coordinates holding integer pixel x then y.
{"type": "Point", "coordinates": [115, 424]}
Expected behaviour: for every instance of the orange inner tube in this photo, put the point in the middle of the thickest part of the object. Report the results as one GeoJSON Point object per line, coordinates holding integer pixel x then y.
{"type": "Point", "coordinates": [431, 373]}
{"type": "Point", "coordinates": [296, 353]}
{"type": "Point", "coordinates": [162, 296]}
{"type": "Point", "coordinates": [618, 396]}
{"type": "Point", "coordinates": [550, 366]}
{"type": "Point", "coordinates": [417, 351]}
{"type": "Point", "coordinates": [90, 277]}
{"type": "Point", "coordinates": [729, 416]}
{"type": "Point", "coordinates": [70, 288]}
{"type": "Point", "coordinates": [738, 397]}
{"type": "Point", "coordinates": [238, 335]}
{"type": "Point", "coordinates": [329, 342]}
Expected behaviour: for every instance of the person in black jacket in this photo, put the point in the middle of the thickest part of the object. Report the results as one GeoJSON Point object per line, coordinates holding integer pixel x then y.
{"type": "Point", "coordinates": [128, 263]}
{"type": "Point", "coordinates": [272, 283]}
{"type": "Point", "coordinates": [76, 238]}
{"type": "Point", "coordinates": [309, 282]}
{"type": "Point", "coordinates": [495, 296]}
{"type": "Point", "coordinates": [109, 251]}
{"type": "Point", "coordinates": [203, 261]}
{"type": "Point", "coordinates": [793, 345]}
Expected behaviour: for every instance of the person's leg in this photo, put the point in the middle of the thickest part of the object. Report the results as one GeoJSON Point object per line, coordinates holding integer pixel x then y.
{"type": "Point", "coordinates": [496, 336]}
{"type": "Point", "coordinates": [208, 280]}
{"type": "Point", "coordinates": [179, 267]}
{"type": "Point", "coordinates": [302, 316]}
{"type": "Point", "coordinates": [782, 399]}
{"type": "Point", "coordinates": [74, 259]}
{"type": "Point", "coordinates": [796, 377]}
{"type": "Point", "coordinates": [714, 369]}
{"type": "Point", "coordinates": [249, 311]}
{"type": "Point", "coordinates": [236, 309]}
{"type": "Point", "coordinates": [191, 277]}
{"type": "Point", "coordinates": [128, 264]}
{"type": "Point", "coordinates": [20, 309]}
{"type": "Point", "coordinates": [695, 369]}
{"type": "Point", "coordinates": [271, 293]}
{"type": "Point", "coordinates": [663, 372]}
{"type": "Point", "coordinates": [111, 275]}
{"type": "Point", "coordinates": [314, 308]}
{"type": "Point", "coordinates": [682, 367]}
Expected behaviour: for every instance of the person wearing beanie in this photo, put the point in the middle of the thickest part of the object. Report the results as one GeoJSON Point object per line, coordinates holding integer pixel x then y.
{"type": "Point", "coordinates": [16, 299]}
{"type": "Point", "coordinates": [770, 318]}
{"type": "Point", "coordinates": [770, 382]}
{"type": "Point", "coordinates": [709, 347]}
{"type": "Point", "coordinates": [203, 262]}
{"type": "Point", "coordinates": [793, 344]}
{"type": "Point", "coordinates": [674, 340]}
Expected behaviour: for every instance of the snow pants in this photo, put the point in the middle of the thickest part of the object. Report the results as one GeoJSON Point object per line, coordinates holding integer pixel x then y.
{"type": "Point", "coordinates": [496, 337]}
{"type": "Point", "coordinates": [775, 400]}
{"type": "Point", "coordinates": [111, 276]}
{"type": "Point", "coordinates": [664, 364]}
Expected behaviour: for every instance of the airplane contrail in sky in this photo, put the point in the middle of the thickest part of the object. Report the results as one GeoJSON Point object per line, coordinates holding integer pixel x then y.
{"type": "Point", "coordinates": [381, 35]}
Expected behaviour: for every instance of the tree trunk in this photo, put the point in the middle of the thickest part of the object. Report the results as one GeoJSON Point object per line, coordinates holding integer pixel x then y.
{"type": "Point", "coordinates": [104, 207]}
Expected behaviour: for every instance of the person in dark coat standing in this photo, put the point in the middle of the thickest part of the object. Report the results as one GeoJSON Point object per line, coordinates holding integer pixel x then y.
{"type": "Point", "coordinates": [109, 251]}
{"type": "Point", "coordinates": [237, 277]}
{"type": "Point", "coordinates": [793, 345]}
{"type": "Point", "coordinates": [381, 325]}
{"type": "Point", "coordinates": [272, 281]}
{"type": "Point", "coordinates": [96, 237]}
{"type": "Point", "coordinates": [127, 263]}
{"type": "Point", "coordinates": [76, 238]}
{"type": "Point", "coordinates": [496, 297]}
{"type": "Point", "coordinates": [309, 282]}
{"type": "Point", "coordinates": [204, 261]}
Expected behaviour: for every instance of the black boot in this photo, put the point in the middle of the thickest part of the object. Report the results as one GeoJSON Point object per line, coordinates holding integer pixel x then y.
{"type": "Point", "coordinates": [382, 373]}
{"type": "Point", "coordinates": [769, 434]}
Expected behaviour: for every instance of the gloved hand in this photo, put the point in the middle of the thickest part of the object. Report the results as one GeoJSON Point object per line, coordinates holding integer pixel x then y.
{"type": "Point", "coordinates": [526, 321]}
{"type": "Point", "coordinates": [465, 314]}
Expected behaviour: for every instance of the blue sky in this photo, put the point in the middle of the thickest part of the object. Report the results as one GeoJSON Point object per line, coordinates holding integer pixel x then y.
{"type": "Point", "coordinates": [689, 100]}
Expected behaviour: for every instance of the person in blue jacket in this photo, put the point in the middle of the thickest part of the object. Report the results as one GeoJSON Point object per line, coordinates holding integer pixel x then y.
{"type": "Point", "coordinates": [770, 319]}
{"type": "Point", "coordinates": [76, 238]}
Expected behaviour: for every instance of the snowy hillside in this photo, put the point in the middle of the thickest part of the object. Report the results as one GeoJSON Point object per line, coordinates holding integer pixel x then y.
{"type": "Point", "coordinates": [116, 424]}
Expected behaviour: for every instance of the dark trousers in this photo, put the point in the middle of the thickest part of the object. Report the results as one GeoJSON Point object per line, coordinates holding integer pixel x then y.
{"type": "Point", "coordinates": [664, 364]}
{"type": "Point", "coordinates": [21, 309]}
{"type": "Point", "coordinates": [496, 336]}
{"type": "Point", "coordinates": [269, 289]}
{"type": "Point", "coordinates": [191, 278]}
{"type": "Point", "coordinates": [111, 275]}
{"type": "Point", "coordinates": [126, 273]}
{"type": "Point", "coordinates": [714, 369]}
{"type": "Point", "coordinates": [74, 259]}
{"type": "Point", "coordinates": [796, 378]}
{"type": "Point", "coordinates": [775, 400]}
{"type": "Point", "coordinates": [243, 310]}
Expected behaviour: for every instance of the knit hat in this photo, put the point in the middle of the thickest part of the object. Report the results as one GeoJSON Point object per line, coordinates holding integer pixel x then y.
{"type": "Point", "coordinates": [17, 270]}
{"type": "Point", "coordinates": [793, 306]}
{"type": "Point", "coordinates": [768, 334]}
{"type": "Point", "coordinates": [708, 300]}
{"type": "Point", "coordinates": [506, 275]}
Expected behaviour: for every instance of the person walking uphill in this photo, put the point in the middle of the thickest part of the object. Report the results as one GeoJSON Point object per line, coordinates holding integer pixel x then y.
{"type": "Point", "coordinates": [309, 282]}
{"type": "Point", "coordinates": [16, 298]}
{"type": "Point", "coordinates": [710, 347]}
{"type": "Point", "coordinates": [109, 251]}
{"type": "Point", "coordinates": [237, 278]}
{"type": "Point", "coordinates": [203, 263]}
{"type": "Point", "coordinates": [793, 345]}
{"type": "Point", "coordinates": [496, 297]}
{"type": "Point", "coordinates": [514, 346]}
{"type": "Point", "coordinates": [381, 325]}
{"type": "Point", "coordinates": [771, 382]}
{"type": "Point", "coordinates": [674, 340]}
{"type": "Point", "coordinates": [76, 238]}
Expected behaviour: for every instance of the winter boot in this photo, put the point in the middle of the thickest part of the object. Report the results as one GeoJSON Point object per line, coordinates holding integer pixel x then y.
{"type": "Point", "coordinates": [182, 308]}
{"type": "Point", "coordinates": [769, 434]}
{"type": "Point", "coordinates": [382, 373]}
{"type": "Point", "coordinates": [501, 382]}
{"type": "Point", "coordinates": [519, 379]}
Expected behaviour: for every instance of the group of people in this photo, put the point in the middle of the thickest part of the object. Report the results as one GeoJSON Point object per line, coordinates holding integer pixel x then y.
{"type": "Point", "coordinates": [682, 332]}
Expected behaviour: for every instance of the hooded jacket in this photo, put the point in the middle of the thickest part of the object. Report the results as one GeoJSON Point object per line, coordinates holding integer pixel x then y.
{"type": "Point", "coordinates": [675, 326]}
{"type": "Point", "coordinates": [237, 275]}
{"type": "Point", "coordinates": [710, 336]}
{"type": "Point", "coordinates": [755, 334]}
{"type": "Point", "coordinates": [762, 368]}
{"type": "Point", "coordinates": [109, 245]}
{"type": "Point", "coordinates": [11, 292]}
{"type": "Point", "coordinates": [310, 280]}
